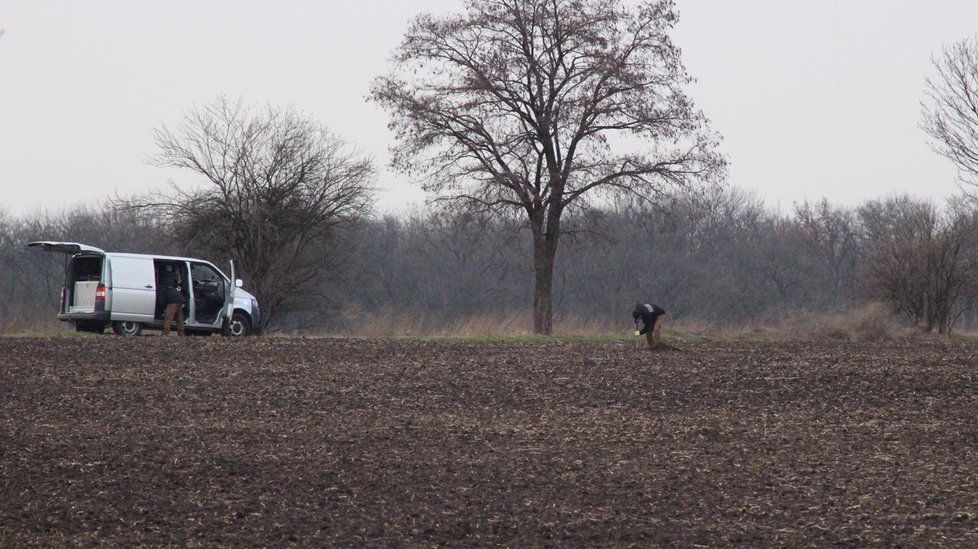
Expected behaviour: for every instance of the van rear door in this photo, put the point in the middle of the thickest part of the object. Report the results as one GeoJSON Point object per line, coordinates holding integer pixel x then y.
{"type": "Point", "coordinates": [84, 281]}
{"type": "Point", "coordinates": [63, 247]}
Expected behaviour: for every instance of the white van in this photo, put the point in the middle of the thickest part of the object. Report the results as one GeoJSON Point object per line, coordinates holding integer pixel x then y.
{"type": "Point", "coordinates": [122, 290]}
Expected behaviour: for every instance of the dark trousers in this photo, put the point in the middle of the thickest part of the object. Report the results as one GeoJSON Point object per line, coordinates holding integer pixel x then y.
{"type": "Point", "coordinates": [173, 311]}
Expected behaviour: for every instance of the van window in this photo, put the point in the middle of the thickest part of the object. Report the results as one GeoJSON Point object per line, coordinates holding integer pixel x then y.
{"type": "Point", "coordinates": [202, 273]}
{"type": "Point", "coordinates": [87, 269]}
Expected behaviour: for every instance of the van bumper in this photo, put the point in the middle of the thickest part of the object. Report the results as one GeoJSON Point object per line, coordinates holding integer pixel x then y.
{"type": "Point", "coordinates": [98, 316]}
{"type": "Point", "coordinates": [255, 317]}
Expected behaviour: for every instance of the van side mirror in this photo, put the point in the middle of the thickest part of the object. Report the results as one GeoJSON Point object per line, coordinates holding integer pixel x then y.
{"type": "Point", "coordinates": [238, 283]}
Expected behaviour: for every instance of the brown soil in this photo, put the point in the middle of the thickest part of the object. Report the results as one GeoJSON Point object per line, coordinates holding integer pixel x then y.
{"type": "Point", "coordinates": [319, 442]}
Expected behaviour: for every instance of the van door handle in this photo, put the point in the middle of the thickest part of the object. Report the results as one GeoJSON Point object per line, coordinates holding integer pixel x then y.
{"type": "Point", "coordinates": [150, 286]}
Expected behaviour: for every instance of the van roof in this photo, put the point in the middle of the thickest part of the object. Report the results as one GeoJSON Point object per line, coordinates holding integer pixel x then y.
{"type": "Point", "coordinates": [78, 248]}
{"type": "Point", "coordinates": [153, 256]}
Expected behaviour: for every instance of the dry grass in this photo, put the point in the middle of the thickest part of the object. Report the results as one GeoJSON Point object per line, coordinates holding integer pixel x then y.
{"type": "Point", "coordinates": [19, 324]}
{"type": "Point", "coordinates": [871, 322]}
{"type": "Point", "coordinates": [508, 324]}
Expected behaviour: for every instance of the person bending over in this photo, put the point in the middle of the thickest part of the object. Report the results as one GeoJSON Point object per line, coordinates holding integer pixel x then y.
{"type": "Point", "coordinates": [651, 316]}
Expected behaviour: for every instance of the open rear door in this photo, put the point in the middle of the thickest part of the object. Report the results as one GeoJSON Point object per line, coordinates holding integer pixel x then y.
{"type": "Point", "coordinates": [63, 247]}
{"type": "Point", "coordinates": [87, 278]}
{"type": "Point", "coordinates": [67, 248]}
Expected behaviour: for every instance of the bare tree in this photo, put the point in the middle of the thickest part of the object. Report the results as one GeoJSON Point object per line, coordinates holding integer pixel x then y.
{"type": "Point", "coordinates": [544, 105]}
{"type": "Point", "coordinates": [896, 233]}
{"type": "Point", "coordinates": [276, 186]}
{"type": "Point", "coordinates": [923, 260]}
{"type": "Point", "coordinates": [832, 232]}
{"type": "Point", "coordinates": [954, 266]}
{"type": "Point", "coordinates": [951, 118]}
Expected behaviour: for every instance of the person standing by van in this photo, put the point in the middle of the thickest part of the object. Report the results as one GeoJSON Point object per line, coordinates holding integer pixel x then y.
{"type": "Point", "coordinates": [172, 298]}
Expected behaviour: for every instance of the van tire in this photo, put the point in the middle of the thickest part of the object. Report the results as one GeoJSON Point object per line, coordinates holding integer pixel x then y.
{"type": "Point", "coordinates": [127, 328]}
{"type": "Point", "coordinates": [239, 326]}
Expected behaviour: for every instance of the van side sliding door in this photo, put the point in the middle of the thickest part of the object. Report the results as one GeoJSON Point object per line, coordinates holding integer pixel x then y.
{"type": "Point", "coordinates": [133, 288]}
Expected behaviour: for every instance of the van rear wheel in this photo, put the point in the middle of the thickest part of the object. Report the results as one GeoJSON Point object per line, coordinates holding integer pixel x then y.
{"type": "Point", "coordinates": [127, 328]}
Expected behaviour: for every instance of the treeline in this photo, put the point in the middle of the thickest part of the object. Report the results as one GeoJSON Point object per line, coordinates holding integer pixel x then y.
{"type": "Point", "coordinates": [723, 259]}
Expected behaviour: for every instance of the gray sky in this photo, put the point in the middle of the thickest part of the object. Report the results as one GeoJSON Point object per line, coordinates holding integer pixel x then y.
{"type": "Point", "coordinates": [813, 97]}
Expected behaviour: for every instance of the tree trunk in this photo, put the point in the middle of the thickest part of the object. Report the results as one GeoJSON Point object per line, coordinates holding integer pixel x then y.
{"type": "Point", "coordinates": [543, 292]}
{"type": "Point", "coordinates": [544, 255]}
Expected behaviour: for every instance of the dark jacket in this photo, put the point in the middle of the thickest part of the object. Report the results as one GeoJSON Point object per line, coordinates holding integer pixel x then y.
{"type": "Point", "coordinates": [647, 312]}
{"type": "Point", "coordinates": [170, 288]}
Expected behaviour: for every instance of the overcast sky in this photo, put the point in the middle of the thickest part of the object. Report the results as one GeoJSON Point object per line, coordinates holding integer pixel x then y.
{"type": "Point", "coordinates": [814, 98]}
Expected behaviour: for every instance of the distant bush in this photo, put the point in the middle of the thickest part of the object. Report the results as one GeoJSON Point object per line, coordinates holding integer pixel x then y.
{"type": "Point", "coordinates": [868, 322]}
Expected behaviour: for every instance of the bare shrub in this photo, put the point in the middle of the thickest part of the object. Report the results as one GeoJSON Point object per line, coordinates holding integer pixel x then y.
{"type": "Point", "coordinates": [278, 186]}
{"type": "Point", "coordinates": [870, 322]}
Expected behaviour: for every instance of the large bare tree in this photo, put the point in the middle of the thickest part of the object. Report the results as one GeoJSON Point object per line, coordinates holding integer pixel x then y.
{"type": "Point", "coordinates": [275, 187]}
{"type": "Point", "coordinates": [951, 115]}
{"type": "Point", "coordinates": [542, 106]}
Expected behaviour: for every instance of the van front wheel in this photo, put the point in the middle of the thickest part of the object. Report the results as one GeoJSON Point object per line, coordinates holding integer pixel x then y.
{"type": "Point", "coordinates": [127, 328]}
{"type": "Point", "coordinates": [239, 326]}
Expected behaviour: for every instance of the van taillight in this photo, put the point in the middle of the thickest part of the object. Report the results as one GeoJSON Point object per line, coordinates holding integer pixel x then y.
{"type": "Point", "coordinates": [100, 293]}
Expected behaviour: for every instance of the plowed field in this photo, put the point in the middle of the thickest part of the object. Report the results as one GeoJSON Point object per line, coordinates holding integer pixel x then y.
{"type": "Point", "coordinates": [316, 442]}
